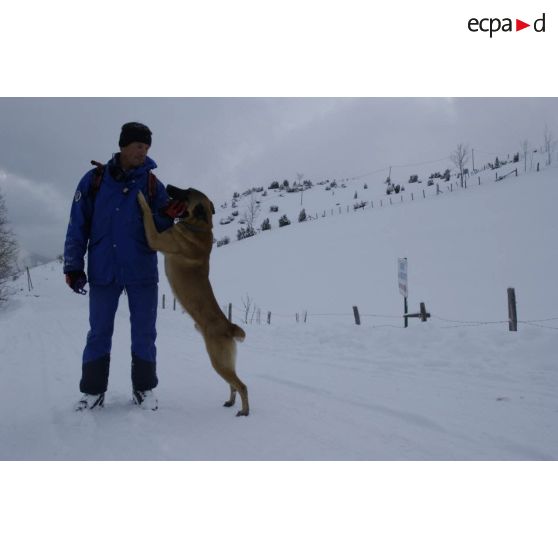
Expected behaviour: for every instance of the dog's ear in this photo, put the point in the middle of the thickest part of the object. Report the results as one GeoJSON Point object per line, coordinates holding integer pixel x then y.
{"type": "Point", "coordinates": [177, 193]}
{"type": "Point", "coordinates": [200, 213]}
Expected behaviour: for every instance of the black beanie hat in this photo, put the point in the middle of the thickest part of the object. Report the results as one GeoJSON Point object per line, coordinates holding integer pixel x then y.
{"type": "Point", "coordinates": [134, 131]}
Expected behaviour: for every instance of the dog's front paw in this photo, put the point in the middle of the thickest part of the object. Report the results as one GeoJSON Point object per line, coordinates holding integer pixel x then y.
{"type": "Point", "coordinates": [143, 202]}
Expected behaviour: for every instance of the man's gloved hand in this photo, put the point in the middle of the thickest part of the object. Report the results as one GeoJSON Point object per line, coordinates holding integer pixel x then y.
{"type": "Point", "coordinates": [76, 280]}
{"type": "Point", "coordinates": [174, 209]}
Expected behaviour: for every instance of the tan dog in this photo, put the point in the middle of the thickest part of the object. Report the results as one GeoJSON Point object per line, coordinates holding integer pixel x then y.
{"type": "Point", "coordinates": [186, 247]}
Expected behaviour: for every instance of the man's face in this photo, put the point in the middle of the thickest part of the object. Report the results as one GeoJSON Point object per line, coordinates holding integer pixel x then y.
{"type": "Point", "coordinates": [133, 154]}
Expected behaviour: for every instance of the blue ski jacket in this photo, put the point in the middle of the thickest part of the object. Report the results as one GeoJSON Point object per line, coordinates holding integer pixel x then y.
{"type": "Point", "coordinates": [109, 226]}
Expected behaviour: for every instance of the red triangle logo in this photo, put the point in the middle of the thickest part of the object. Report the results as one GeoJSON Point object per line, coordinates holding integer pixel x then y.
{"type": "Point", "coordinates": [519, 25]}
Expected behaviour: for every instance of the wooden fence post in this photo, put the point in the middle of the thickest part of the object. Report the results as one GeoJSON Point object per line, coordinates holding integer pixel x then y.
{"type": "Point", "coordinates": [163, 302]}
{"type": "Point", "coordinates": [29, 282]}
{"type": "Point", "coordinates": [357, 315]}
{"type": "Point", "coordinates": [230, 312]}
{"type": "Point", "coordinates": [268, 318]}
{"type": "Point", "coordinates": [174, 304]}
{"type": "Point", "coordinates": [512, 309]}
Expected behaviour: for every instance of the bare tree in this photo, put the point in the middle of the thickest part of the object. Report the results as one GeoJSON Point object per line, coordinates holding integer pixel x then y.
{"type": "Point", "coordinates": [548, 144]}
{"type": "Point", "coordinates": [525, 148]}
{"type": "Point", "coordinates": [252, 211]}
{"type": "Point", "coordinates": [8, 249]}
{"type": "Point", "coordinates": [459, 158]}
{"type": "Point", "coordinates": [250, 309]}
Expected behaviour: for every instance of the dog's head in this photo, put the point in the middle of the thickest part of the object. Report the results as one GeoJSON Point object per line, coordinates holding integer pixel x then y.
{"type": "Point", "coordinates": [199, 206]}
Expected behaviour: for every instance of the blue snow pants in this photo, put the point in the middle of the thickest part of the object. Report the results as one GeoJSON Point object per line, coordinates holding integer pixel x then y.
{"type": "Point", "coordinates": [103, 303]}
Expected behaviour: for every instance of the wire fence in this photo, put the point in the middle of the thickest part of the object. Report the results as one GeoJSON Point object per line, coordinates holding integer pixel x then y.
{"type": "Point", "coordinates": [251, 314]}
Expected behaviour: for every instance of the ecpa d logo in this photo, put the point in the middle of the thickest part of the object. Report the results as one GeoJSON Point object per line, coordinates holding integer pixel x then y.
{"type": "Point", "coordinates": [493, 25]}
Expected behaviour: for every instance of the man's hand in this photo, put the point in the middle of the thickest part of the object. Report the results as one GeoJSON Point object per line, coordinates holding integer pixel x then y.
{"type": "Point", "coordinates": [76, 280]}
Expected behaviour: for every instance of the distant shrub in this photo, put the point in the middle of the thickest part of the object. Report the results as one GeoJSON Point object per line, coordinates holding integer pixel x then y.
{"type": "Point", "coordinates": [302, 216]}
{"type": "Point", "coordinates": [284, 221]}
{"type": "Point", "coordinates": [245, 233]}
{"type": "Point", "coordinates": [223, 241]}
{"type": "Point", "coordinates": [274, 209]}
{"type": "Point", "coordinates": [266, 225]}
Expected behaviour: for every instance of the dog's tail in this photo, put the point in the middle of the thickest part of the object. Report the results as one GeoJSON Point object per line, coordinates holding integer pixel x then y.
{"type": "Point", "coordinates": [238, 333]}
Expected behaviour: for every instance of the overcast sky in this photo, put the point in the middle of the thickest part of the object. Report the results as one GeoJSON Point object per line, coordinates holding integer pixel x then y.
{"type": "Point", "coordinates": [222, 145]}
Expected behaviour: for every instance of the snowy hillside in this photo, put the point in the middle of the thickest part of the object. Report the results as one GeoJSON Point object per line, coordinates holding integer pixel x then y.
{"type": "Point", "coordinates": [459, 387]}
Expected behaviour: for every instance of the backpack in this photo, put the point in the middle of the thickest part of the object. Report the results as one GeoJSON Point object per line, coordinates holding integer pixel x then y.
{"type": "Point", "coordinates": [98, 178]}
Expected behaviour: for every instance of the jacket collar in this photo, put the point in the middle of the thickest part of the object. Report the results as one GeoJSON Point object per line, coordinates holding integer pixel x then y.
{"type": "Point", "coordinates": [118, 174]}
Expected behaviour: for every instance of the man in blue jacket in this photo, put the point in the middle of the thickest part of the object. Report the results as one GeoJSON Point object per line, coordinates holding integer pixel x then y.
{"type": "Point", "coordinates": [106, 222]}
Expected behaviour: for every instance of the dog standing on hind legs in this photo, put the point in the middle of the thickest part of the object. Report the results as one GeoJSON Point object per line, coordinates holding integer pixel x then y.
{"type": "Point", "coordinates": [187, 246]}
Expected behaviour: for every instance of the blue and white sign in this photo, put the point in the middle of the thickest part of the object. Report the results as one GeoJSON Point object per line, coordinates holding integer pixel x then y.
{"type": "Point", "coordinates": [402, 276]}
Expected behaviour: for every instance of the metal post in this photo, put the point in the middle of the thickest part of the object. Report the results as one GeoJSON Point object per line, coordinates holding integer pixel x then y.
{"type": "Point", "coordinates": [406, 310]}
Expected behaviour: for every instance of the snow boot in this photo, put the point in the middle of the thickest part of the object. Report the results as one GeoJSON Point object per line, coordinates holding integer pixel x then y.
{"type": "Point", "coordinates": [89, 401]}
{"type": "Point", "coordinates": [146, 399]}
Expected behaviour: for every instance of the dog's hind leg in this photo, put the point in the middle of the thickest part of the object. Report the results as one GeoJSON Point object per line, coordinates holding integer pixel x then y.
{"type": "Point", "coordinates": [222, 353]}
{"type": "Point", "coordinates": [232, 398]}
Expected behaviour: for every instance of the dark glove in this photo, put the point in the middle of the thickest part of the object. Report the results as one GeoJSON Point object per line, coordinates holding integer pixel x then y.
{"type": "Point", "coordinates": [174, 209]}
{"type": "Point", "coordinates": [76, 280]}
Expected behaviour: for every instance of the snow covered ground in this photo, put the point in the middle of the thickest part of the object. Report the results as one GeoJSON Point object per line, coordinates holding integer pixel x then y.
{"type": "Point", "coordinates": [459, 387]}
